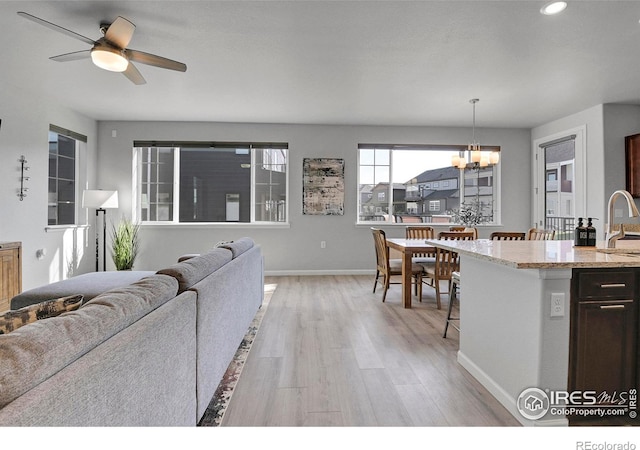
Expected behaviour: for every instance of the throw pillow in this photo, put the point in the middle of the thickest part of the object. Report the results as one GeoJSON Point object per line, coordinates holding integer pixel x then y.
{"type": "Point", "coordinates": [12, 320]}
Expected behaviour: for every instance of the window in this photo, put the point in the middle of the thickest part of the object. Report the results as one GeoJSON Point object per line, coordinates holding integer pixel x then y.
{"type": "Point", "coordinates": [211, 182]}
{"type": "Point", "coordinates": [64, 146]}
{"type": "Point", "coordinates": [420, 181]}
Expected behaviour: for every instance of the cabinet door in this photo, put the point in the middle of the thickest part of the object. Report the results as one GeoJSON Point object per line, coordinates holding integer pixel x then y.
{"type": "Point", "coordinates": [605, 346]}
{"type": "Point", "coordinates": [9, 276]}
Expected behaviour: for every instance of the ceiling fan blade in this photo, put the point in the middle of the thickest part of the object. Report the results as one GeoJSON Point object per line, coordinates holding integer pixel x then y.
{"type": "Point", "coordinates": [134, 75]}
{"type": "Point", "coordinates": [55, 27]}
{"type": "Point", "coordinates": [73, 56]}
{"type": "Point", "coordinates": [120, 32]}
{"type": "Point", "coordinates": [154, 60]}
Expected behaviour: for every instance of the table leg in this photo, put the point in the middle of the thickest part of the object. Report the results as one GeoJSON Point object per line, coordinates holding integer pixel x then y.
{"type": "Point", "coordinates": [406, 278]}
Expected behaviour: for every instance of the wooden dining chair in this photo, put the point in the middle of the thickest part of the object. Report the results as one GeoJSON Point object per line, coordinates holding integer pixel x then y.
{"type": "Point", "coordinates": [461, 228]}
{"type": "Point", "coordinates": [446, 262]}
{"type": "Point", "coordinates": [391, 267]}
{"type": "Point", "coordinates": [427, 259]}
{"type": "Point", "coordinates": [537, 234]}
{"type": "Point", "coordinates": [507, 236]}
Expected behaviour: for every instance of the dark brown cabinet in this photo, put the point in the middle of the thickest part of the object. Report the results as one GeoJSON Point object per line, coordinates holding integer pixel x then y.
{"type": "Point", "coordinates": [603, 353]}
{"type": "Point", "coordinates": [10, 272]}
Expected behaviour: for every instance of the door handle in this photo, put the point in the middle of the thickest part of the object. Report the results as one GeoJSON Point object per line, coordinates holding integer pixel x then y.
{"type": "Point", "coordinates": [613, 285]}
{"type": "Point", "coordinates": [611, 306]}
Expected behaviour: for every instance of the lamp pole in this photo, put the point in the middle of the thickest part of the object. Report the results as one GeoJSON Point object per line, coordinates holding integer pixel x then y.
{"type": "Point", "coordinates": [104, 239]}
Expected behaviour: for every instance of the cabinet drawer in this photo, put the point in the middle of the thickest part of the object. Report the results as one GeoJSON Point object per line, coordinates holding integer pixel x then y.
{"type": "Point", "coordinates": [601, 284]}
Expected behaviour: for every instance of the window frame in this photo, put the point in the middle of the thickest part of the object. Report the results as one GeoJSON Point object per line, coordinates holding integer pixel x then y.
{"type": "Point", "coordinates": [79, 176]}
{"type": "Point", "coordinates": [175, 148]}
{"type": "Point", "coordinates": [495, 183]}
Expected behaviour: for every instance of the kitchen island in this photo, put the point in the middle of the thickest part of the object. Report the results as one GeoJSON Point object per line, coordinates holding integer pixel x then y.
{"type": "Point", "coordinates": [512, 339]}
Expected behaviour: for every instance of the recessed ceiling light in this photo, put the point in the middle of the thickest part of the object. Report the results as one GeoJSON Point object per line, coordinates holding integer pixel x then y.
{"type": "Point", "coordinates": [553, 8]}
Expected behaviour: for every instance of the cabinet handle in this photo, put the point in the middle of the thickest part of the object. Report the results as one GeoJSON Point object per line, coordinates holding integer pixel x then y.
{"type": "Point", "coordinates": [613, 285]}
{"type": "Point", "coordinates": [611, 306]}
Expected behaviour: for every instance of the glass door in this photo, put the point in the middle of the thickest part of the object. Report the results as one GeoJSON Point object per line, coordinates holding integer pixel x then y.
{"type": "Point", "coordinates": [559, 183]}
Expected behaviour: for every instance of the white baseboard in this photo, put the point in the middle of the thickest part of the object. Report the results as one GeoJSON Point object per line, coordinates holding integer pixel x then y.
{"type": "Point", "coordinates": [503, 396]}
{"type": "Point", "coordinates": [298, 273]}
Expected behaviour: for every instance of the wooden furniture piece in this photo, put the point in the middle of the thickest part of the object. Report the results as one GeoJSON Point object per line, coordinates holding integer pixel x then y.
{"type": "Point", "coordinates": [466, 235]}
{"type": "Point", "coordinates": [632, 164]}
{"type": "Point", "coordinates": [10, 272]}
{"type": "Point", "coordinates": [538, 234]}
{"type": "Point", "coordinates": [446, 263]}
{"type": "Point", "coordinates": [419, 232]}
{"type": "Point", "coordinates": [409, 247]}
{"type": "Point", "coordinates": [392, 267]}
{"type": "Point", "coordinates": [453, 294]}
{"type": "Point", "coordinates": [507, 236]}
{"type": "Point", "coordinates": [427, 259]}
{"type": "Point", "coordinates": [603, 332]}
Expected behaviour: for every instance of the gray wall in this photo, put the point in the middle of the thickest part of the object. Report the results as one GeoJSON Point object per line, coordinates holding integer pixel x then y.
{"type": "Point", "coordinates": [606, 126]}
{"type": "Point", "coordinates": [296, 249]}
{"type": "Point", "coordinates": [25, 125]}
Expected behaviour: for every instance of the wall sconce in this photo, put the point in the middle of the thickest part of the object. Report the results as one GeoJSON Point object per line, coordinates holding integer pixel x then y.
{"type": "Point", "coordinates": [23, 168]}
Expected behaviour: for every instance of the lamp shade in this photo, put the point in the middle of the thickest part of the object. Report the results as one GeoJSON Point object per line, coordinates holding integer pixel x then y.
{"type": "Point", "coordinates": [109, 59]}
{"type": "Point", "coordinates": [99, 199]}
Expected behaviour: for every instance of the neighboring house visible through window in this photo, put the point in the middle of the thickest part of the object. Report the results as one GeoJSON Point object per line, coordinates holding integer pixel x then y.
{"type": "Point", "coordinates": [64, 148]}
{"type": "Point", "coordinates": [420, 181]}
{"type": "Point", "coordinates": [211, 182]}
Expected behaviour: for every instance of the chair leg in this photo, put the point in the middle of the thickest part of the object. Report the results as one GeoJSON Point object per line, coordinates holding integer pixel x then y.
{"type": "Point", "coordinates": [420, 287]}
{"type": "Point", "coordinates": [452, 297]}
{"type": "Point", "coordinates": [438, 303]}
{"type": "Point", "coordinates": [375, 282]}
{"type": "Point", "coordinates": [386, 287]}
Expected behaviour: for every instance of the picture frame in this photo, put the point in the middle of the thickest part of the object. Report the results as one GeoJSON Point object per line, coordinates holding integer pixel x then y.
{"type": "Point", "coordinates": [323, 186]}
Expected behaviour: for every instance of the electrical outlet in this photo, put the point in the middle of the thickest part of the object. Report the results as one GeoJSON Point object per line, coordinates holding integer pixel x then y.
{"type": "Point", "coordinates": [557, 304]}
{"type": "Point", "coordinates": [323, 244]}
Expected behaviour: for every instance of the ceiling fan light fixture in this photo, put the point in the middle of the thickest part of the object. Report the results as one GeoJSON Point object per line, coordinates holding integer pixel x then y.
{"type": "Point", "coordinates": [109, 59]}
{"type": "Point", "coordinates": [553, 8]}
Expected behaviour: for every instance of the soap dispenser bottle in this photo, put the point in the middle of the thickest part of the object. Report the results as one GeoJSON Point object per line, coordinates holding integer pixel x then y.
{"type": "Point", "coordinates": [591, 233]}
{"type": "Point", "coordinates": [580, 238]}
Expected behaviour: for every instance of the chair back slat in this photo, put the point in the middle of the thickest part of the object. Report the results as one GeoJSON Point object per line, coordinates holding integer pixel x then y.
{"type": "Point", "coordinates": [537, 234]}
{"type": "Point", "coordinates": [507, 236]}
{"type": "Point", "coordinates": [466, 235]}
{"type": "Point", "coordinates": [420, 232]}
{"type": "Point", "coordinates": [382, 251]}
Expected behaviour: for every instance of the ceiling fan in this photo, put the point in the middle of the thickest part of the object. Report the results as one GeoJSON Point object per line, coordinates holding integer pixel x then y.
{"type": "Point", "coordinates": [110, 52]}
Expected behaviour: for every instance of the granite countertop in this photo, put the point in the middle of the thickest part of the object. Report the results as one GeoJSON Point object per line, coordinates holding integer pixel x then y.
{"type": "Point", "coordinates": [539, 254]}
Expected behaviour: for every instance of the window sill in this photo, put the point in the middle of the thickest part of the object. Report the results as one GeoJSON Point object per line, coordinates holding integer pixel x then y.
{"type": "Point", "coordinates": [204, 225]}
{"type": "Point", "coordinates": [49, 228]}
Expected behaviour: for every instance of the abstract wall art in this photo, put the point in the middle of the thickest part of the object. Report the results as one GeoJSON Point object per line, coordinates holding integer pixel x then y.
{"type": "Point", "coordinates": [323, 186]}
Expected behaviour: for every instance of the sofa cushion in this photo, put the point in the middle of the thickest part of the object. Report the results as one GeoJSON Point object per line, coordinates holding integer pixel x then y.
{"type": "Point", "coordinates": [238, 247]}
{"type": "Point", "coordinates": [12, 320]}
{"type": "Point", "coordinates": [33, 353]}
{"type": "Point", "coordinates": [89, 285]}
{"type": "Point", "coordinates": [192, 270]}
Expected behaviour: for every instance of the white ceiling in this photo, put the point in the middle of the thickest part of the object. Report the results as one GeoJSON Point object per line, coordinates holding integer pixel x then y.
{"type": "Point", "coordinates": [336, 62]}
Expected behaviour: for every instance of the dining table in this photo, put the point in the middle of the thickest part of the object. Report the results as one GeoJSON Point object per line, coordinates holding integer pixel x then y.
{"type": "Point", "coordinates": [409, 247]}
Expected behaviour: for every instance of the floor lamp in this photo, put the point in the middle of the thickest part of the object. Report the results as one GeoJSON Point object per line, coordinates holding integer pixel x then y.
{"type": "Point", "coordinates": [101, 201]}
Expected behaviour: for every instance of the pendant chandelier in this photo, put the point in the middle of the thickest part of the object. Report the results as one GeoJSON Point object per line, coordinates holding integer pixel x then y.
{"type": "Point", "coordinates": [474, 157]}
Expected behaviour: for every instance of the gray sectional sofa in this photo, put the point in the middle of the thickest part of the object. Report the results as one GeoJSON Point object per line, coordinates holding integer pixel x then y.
{"type": "Point", "coordinates": [148, 354]}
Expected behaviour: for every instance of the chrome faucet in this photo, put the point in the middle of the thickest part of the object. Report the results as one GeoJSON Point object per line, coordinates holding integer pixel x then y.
{"type": "Point", "coordinates": [612, 236]}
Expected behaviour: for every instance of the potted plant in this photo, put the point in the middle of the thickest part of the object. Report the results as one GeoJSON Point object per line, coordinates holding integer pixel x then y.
{"type": "Point", "coordinates": [125, 244]}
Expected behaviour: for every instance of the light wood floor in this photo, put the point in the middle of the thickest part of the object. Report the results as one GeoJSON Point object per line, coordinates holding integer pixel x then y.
{"type": "Point", "coordinates": [329, 352]}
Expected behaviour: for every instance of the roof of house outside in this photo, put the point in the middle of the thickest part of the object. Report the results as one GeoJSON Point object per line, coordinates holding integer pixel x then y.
{"type": "Point", "coordinates": [442, 173]}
